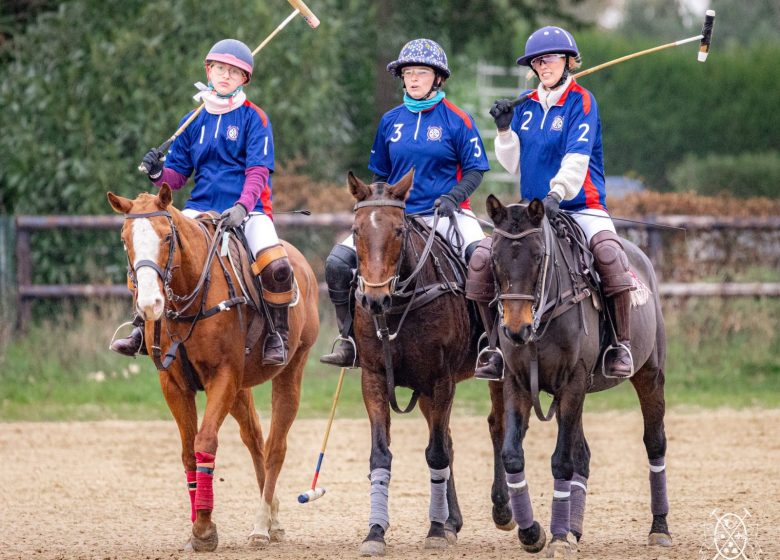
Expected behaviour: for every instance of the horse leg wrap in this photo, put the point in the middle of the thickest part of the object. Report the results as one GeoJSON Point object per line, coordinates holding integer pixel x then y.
{"type": "Point", "coordinates": [561, 508]}
{"type": "Point", "coordinates": [380, 480]}
{"type": "Point", "coordinates": [204, 478]}
{"type": "Point", "coordinates": [191, 487]}
{"type": "Point", "coordinates": [659, 502]}
{"type": "Point", "coordinates": [579, 491]}
{"type": "Point", "coordinates": [520, 499]}
{"type": "Point", "coordinates": [438, 509]}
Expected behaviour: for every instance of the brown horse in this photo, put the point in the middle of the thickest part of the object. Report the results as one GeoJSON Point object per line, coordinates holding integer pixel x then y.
{"type": "Point", "coordinates": [414, 328]}
{"type": "Point", "coordinates": [171, 258]}
{"type": "Point", "coordinates": [553, 339]}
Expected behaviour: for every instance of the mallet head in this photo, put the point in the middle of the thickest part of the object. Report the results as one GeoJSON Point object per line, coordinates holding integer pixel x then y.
{"type": "Point", "coordinates": [307, 14]}
{"type": "Point", "coordinates": [706, 32]}
{"type": "Point", "coordinates": [311, 495]}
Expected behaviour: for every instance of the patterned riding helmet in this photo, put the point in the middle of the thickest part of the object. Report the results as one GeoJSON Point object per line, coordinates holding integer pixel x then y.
{"type": "Point", "coordinates": [422, 52]}
{"type": "Point", "coordinates": [233, 52]}
{"type": "Point", "coordinates": [548, 40]}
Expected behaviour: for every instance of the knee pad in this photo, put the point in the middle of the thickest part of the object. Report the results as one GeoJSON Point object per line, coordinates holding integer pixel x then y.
{"type": "Point", "coordinates": [480, 284]}
{"type": "Point", "coordinates": [276, 275]}
{"type": "Point", "coordinates": [339, 267]}
{"type": "Point", "coordinates": [611, 263]}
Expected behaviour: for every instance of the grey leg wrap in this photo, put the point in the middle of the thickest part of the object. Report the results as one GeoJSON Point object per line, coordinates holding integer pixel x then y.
{"type": "Point", "coordinates": [438, 509]}
{"type": "Point", "coordinates": [579, 490]}
{"type": "Point", "coordinates": [561, 508]}
{"type": "Point", "coordinates": [520, 499]}
{"type": "Point", "coordinates": [380, 480]}
{"type": "Point", "coordinates": [659, 502]}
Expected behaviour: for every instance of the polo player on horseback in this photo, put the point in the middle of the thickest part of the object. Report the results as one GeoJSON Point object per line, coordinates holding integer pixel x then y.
{"type": "Point", "coordinates": [441, 142]}
{"type": "Point", "coordinates": [553, 141]}
{"type": "Point", "coordinates": [230, 149]}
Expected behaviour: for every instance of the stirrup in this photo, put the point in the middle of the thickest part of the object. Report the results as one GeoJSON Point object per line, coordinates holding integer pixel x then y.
{"type": "Point", "coordinates": [482, 363]}
{"type": "Point", "coordinates": [612, 348]}
{"type": "Point", "coordinates": [285, 350]}
{"type": "Point", "coordinates": [113, 337]}
{"type": "Point", "coordinates": [351, 341]}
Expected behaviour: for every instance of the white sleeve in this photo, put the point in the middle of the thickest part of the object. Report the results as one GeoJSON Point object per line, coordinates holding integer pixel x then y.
{"type": "Point", "coordinates": [507, 148]}
{"type": "Point", "coordinates": [567, 183]}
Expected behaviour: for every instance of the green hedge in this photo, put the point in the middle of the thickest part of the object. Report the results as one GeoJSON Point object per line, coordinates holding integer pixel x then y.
{"type": "Point", "coordinates": [743, 175]}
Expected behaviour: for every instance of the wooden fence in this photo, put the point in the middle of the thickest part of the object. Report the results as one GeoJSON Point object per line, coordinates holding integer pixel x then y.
{"type": "Point", "coordinates": [27, 292]}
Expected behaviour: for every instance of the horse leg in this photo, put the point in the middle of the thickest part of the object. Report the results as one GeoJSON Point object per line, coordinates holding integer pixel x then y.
{"type": "Point", "coordinates": [444, 511]}
{"type": "Point", "coordinates": [285, 398]}
{"type": "Point", "coordinates": [517, 407]}
{"type": "Point", "coordinates": [502, 514]}
{"type": "Point", "coordinates": [182, 405]}
{"type": "Point", "coordinates": [571, 399]}
{"type": "Point", "coordinates": [375, 399]}
{"type": "Point", "coordinates": [246, 415]}
{"type": "Point", "coordinates": [220, 396]}
{"type": "Point", "coordinates": [579, 481]}
{"type": "Point", "coordinates": [649, 386]}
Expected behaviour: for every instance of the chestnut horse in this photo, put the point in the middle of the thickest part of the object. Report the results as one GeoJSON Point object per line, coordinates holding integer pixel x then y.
{"type": "Point", "coordinates": [552, 338]}
{"type": "Point", "coordinates": [411, 299]}
{"type": "Point", "coordinates": [168, 253]}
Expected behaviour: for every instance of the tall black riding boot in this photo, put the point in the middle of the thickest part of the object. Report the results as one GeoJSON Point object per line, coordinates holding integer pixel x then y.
{"type": "Point", "coordinates": [275, 345]}
{"type": "Point", "coordinates": [618, 362]}
{"type": "Point", "coordinates": [133, 343]}
{"type": "Point", "coordinates": [490, 363]}
{"type": "Point", "coordinates": [343, 354]}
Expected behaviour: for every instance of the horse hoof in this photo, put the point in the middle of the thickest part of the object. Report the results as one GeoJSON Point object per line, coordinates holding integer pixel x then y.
{"type": "Point", "coordinates": [373, 548]}
{"type": "Point", "coordinates": [434, 543]}
{"type": "Point", "coordinates": [561, 549]}
{"type": "Point", "coordinates": [277, 535]}
{"type": "Point", "coordinates": [531, 543]}
{"type": "Point", "coordinates": [507, 526]}
{"type": "Point", "coordinates": [206, 543]}
{"type": "Point", "coordinates": [502, 517]}
{"type": "Point", "coordinates": [258, 540]}
{"type": "Point", "coordinates": [659, 539]}
{"type": "Point", "coordinates": [451, 537]}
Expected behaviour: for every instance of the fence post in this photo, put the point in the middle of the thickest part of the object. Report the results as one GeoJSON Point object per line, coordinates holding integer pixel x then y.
{"type": "Point", "coordinates": [6, 270]}
{"type": "Point", "coordinates": [23, 277]}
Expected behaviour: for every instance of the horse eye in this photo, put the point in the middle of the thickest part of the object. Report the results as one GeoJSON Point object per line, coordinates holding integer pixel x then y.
{"type": "Point", "coordinates": [399, 231]}
{"type": "Point", "coordinates": [354, 231]}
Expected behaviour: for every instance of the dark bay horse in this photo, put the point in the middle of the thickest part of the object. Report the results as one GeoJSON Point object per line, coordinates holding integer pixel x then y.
{"type": "Point", "coordinates": [551, 336]}
{"type": "Point", "coordinates": [168, 253]}
{"type": "Point", "coordinates": [414, 328]}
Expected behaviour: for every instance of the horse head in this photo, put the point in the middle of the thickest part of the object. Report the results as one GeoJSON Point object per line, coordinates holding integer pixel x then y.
{"type": "Point", "coordinates": [149, 237]}
{"type": "Point", "coordinates": [379, 232]}
{"type": "Point", "coordinates": [519, 263]}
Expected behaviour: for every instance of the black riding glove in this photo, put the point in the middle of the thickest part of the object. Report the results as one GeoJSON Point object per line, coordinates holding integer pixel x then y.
{"type": "Point", "coordinates": [153, 164]}
{"type": "Point", "coordinates": [502, 112]}
{"type": "Point", "coordinates": [234, 215]}
{"type": "Point", "coordinates": [552, 205]}
{"type": "Point", "coordinates": [446, 205]}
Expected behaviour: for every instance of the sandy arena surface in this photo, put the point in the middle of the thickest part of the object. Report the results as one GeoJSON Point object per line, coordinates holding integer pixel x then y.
{"type": "Point", "coordinates": [116, 489]}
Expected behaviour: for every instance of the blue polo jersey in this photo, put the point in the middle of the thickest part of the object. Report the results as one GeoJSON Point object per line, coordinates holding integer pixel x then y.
{"type": "Point", "coordinates": [571, 126]}
{"type": "Point", "coordinates": [219, 149]}
{"type": "Point", "coordinates": [441, 143]}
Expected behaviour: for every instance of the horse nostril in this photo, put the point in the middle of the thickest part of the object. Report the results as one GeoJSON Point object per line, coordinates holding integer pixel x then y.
{"type": "Point", "coordinates": [386, 301]}
{"type": "Point", "coordinates": [364, 301]}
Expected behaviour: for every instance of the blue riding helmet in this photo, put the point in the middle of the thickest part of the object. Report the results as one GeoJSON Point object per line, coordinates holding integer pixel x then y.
{"type": "Point", "coordinates": [233, 52]}
{"type": "Point", "coordinates": [422, 52]}
{"type": "Point", "coordinates": [548, 40]}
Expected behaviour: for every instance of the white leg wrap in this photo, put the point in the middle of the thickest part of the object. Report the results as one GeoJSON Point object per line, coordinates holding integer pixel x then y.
{"type": "Point", "coordinates": [439, 509]}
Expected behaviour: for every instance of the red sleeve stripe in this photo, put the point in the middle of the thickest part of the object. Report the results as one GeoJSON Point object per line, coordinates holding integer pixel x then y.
{"type": "Point", "coordinates": [585, 97]}
{"type": "Point", "coordinates": [263, 116]}
{"type": "Point", "coordinates": [460, 112]}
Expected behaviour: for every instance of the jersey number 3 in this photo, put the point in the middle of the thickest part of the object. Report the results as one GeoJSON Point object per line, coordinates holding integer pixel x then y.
{"type": "Point", "coordinates": [397, 133]}
{"type": "Point", "coordinates": [477, 149]}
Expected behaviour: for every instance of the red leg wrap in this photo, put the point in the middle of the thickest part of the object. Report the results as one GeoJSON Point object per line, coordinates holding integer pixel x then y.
{"type": "Point", "coordinates": [191, 486]}
{"type": "Point", "coordinates": [204, 477]}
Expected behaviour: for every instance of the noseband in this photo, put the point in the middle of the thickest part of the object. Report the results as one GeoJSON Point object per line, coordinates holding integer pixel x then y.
{"type": "Point", "coordinates": [539, 297]}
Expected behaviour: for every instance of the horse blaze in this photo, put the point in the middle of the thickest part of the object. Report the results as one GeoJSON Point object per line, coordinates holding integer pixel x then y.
{"type": "Point", "coordinates": [517, 314]}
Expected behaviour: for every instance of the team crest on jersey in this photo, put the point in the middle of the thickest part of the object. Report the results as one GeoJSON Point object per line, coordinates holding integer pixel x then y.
{"type": "Point", "coordinates": [232, 132]}
{"type": "Point", "coordinates": [434, 133]}
{"type": "Point", "coordinates": [557, 123]}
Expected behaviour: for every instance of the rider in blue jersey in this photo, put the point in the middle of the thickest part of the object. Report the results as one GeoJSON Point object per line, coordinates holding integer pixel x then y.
{"type": "Point", "coordinates": [229, 148]}
{"type": "Point", "coordinates": [441, 142]}
{"type": "Point", "coordinates": [553, 142]}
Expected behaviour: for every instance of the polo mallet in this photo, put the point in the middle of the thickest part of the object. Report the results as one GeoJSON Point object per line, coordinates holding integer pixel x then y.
{"type": "Point", "coordinates": [315, 493]}
{"type": "Point", "coordinates": [300, 8]}
{"type": "Point", "coordinates": [704, 48]}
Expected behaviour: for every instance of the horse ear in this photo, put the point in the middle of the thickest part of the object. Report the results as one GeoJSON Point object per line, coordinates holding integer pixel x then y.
{"type": "Point", "coordinates": [164, 197]}
{"type": "Point", "coordinates": [536, 211]}
{"type": "Point", "coordinates": [401, 189]}
{"type": "Point", "coordinates": [495, 209]}
{"type": "Point", "coordinates": [358, 188]}
{"type": "Point", "coordinates": [120, 204]}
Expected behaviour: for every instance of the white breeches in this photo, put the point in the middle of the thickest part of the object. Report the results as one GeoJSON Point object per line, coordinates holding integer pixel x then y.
{"type": "Point", "coordinates": [258, 228]}
{"type": "Point", "coordinates": [593, 221]}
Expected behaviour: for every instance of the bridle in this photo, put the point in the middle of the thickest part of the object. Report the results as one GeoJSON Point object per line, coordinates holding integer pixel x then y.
{"type": "Point", "coordinates": [541, 291]}
{"type": "Point", "coordinates": [166, 273]}
{"type": "Point", "coordinates": [392, 280]}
